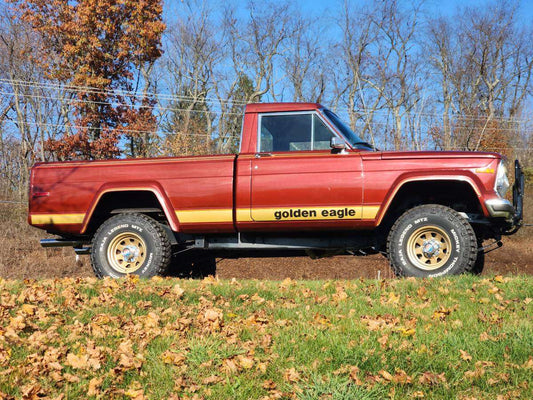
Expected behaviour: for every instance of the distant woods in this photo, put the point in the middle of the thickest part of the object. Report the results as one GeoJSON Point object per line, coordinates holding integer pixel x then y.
{"type": "Point", "coordinates": [106, 78]}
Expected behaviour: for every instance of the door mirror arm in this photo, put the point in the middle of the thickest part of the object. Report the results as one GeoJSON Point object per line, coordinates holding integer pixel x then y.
{"type": "Point", "coordinates": [337, 144]}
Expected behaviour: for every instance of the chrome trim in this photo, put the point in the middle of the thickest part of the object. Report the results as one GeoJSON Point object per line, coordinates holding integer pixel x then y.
{"type": "Point", "coordinates": [500, 208]}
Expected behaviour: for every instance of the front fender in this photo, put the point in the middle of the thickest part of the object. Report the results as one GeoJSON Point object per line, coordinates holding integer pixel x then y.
{"type": "Point", "coordinates": [409, 177]}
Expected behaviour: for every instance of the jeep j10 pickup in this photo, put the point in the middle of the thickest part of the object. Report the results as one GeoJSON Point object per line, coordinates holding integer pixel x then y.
{"type": "Point", "coordinates": [303, 182]}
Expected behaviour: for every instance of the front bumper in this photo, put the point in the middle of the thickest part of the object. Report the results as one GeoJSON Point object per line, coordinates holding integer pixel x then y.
{"type": "Point", "coordinates": [500, 208]}
{"type": "Point", "coordinates": [512, 213]}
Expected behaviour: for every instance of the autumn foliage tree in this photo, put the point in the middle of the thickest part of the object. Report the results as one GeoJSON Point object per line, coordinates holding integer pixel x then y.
{"type": "Point", "coordinates": [98, 48]}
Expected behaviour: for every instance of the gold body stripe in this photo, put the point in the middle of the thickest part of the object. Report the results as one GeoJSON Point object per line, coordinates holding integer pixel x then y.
{"type": "Point", "coordinates": [243, 215]}
{"type": "Point", "coordinates": [271, 213]}
{"type": "Point", "coordinates": [56, 219]}
{"type": "Point", "coordinates": [207, 215]}
{"type": "Point", "coordinates": [370, 212]}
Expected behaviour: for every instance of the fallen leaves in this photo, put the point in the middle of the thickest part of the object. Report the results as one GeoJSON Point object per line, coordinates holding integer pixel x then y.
{"type": "Point", "coordinates": [178, 290]}
{"type": "Point", "coordinates": [441, 313]}
{"type": "Point", "coordinates": [379, 322]}
{"type": "Point", "coordinates": [128, 359]}
{"type": "Point", "coordinates": [108, 339]}
{"type": "Point", "coordinates": [245, 362]}
{"type": "Point", "coordinates": [174, 358]}
{"type": "Point", "coordinates": [213, 319]}
{"type": "Point", "coordinates": [465, 356]}
{"type": "Point", "coordinates": [431, 378]}
{"type": "Point", "coordinates": [291, 375]}
{"type": "Point", "coordinates": [77, 361]}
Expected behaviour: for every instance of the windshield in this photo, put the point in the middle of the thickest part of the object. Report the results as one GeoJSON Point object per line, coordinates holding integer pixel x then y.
{"type": "Point", "coordinates": [352, 138]}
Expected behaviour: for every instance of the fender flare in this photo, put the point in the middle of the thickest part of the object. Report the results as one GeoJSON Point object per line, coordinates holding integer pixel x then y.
{"type": "Point", "coordinates": [473, 181]}
{"type": "Point", "coordinates": [146, 186]}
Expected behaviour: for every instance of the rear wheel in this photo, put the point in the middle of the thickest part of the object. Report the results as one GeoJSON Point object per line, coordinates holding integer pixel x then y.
{"type": "Point", "coordinates": [431, 240]}
{"type": "Point", "coordinates": [130, 244]}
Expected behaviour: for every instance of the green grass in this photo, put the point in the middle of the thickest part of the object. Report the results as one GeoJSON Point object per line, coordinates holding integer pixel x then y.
{"type": "Point", "coordinates": [463, 337]}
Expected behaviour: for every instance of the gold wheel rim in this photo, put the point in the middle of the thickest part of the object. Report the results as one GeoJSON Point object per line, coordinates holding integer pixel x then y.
{"type": "Point", "coordinates": [126, 252]}
{"type": "Point", "coordinates": [429, 248]}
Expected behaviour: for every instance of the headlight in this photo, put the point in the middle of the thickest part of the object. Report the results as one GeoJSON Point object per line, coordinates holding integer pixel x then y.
{"type": "Point", "coordinates": [502, 182]}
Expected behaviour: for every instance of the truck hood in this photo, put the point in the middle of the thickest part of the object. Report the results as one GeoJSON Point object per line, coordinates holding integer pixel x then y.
{"type": "Point", "coordinates": [398, 155]}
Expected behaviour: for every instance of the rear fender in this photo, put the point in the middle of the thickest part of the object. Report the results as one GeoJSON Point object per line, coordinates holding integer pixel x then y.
{"type": "Point", "coordinates": [153, 187]}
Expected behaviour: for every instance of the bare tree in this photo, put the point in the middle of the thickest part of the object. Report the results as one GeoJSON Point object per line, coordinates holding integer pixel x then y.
{"type": "Point", "coordinates": [33, 108]}
{"type": "Point", "coordinates": [359, 35]}
{"type": "Point", "coordinates": [193, 51]}
{"type": "Point", "coordinates": [396, 67]}
{"type": "Point", "coordinates": [304, 62]}
{"type": "Point", "coordinates": [256, 44]}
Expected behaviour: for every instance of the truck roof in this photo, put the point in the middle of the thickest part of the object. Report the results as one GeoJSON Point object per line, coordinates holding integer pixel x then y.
{"type": "Point", "coordinates": [276, 107]}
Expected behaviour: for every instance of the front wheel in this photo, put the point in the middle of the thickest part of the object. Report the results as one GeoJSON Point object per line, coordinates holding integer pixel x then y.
{"type": "Point", "coordinates": [431, 240]}
{"type": "Point", "coordinates": [130, 244]}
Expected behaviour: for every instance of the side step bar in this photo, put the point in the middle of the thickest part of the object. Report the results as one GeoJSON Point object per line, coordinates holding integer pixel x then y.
{"type": "Point", "coordinates": [60, 243]}
{"type": "Point", "coordinates": [80, 247]}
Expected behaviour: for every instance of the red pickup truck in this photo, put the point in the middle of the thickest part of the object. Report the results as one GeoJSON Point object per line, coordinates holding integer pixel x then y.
{"type": "Point", "coordinates": [303, 181]}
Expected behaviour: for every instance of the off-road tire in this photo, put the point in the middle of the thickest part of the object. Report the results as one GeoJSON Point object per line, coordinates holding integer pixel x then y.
{"type": "Point", "coordinates": [459, 244]}
{"type": "Point", "coordinates": [155, 250]}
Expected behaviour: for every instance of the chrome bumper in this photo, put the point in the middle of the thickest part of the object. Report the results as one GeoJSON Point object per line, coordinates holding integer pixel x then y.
{"type": "Point", "coordinates": [500, 208]}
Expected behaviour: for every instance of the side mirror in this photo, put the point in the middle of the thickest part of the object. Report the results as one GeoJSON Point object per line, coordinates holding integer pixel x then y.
{"type": "Point", "coordinates": [336, 143]}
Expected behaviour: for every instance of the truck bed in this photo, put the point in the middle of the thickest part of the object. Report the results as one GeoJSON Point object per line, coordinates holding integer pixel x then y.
{"type": "Point", "coordinates": [64, 195]}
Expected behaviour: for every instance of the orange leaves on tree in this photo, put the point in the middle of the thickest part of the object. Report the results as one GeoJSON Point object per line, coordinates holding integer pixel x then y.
{"type": "Point", "coordinates": [98, 47]}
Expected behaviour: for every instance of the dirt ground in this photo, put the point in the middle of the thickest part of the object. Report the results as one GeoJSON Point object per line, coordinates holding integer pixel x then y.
{"type": "Point", "coordinates": [21, 257]}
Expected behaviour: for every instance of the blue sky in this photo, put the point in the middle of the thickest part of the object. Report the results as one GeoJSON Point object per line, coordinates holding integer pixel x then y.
{"type": "Point", "coordinates": [446, 7]}
{"type": "Point", "coordinates": [331, 7]}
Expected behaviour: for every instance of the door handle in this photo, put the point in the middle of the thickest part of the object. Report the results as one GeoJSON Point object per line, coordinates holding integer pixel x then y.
{"type": "Point", "coordinates": [260, 155]}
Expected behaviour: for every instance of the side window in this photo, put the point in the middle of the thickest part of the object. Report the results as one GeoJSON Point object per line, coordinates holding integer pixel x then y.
{"type": "Point", "coordinates": [293, 132]}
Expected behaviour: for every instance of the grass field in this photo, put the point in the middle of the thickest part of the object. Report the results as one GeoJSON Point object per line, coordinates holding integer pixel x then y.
{"type": "Point", "coordinates": [464, 337]}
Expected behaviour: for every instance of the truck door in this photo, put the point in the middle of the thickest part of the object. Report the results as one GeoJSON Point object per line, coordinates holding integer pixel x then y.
{"type": "Point", "coordinates": [297, 182]}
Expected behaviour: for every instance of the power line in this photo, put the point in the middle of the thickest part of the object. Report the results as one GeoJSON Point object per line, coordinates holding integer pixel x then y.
{"type": "Point", "coordinates": [115, 103]}
{"type": "Point", "coordinates": [121, 130]}
{"type": "Point", "coordinates": [212, 111]}
{"type": "Point", "coordinates": [115, 92]}
{"type": "Point", "coordinates": [210, 100]}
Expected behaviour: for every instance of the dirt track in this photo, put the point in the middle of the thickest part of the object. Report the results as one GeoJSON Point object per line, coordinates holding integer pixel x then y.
{"type": "Point", "coordinates": [62, 262]}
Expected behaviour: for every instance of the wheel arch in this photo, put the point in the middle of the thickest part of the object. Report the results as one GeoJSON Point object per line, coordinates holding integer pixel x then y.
{"type": "Point", "coordinates": [141, 195]}
{"type": "Point", "coordinates": [413, 191]}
